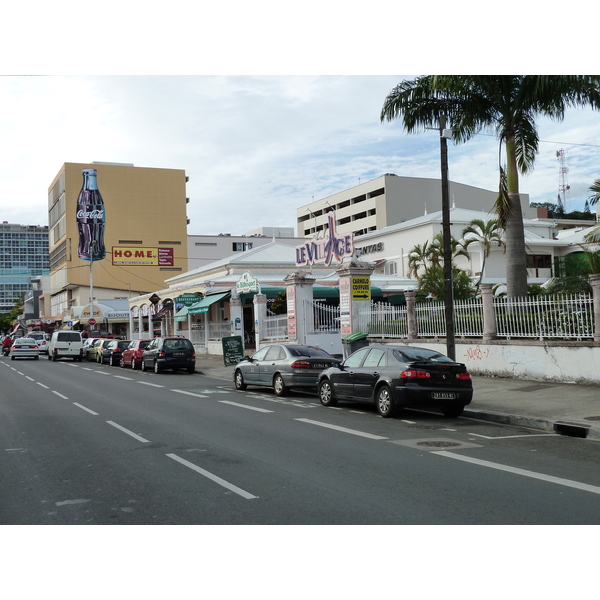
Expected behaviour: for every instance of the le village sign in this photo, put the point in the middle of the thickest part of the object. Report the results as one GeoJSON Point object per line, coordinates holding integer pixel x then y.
{"type": "Point", "coordinates": [324, 250]}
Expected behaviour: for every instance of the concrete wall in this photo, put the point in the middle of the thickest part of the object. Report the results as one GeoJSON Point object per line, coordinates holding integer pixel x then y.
{"type": "Point", "coordinates": [566, 362]}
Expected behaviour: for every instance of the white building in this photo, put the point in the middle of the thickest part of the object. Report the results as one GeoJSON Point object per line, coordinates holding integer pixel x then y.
{"type": "Point", "coordinates": [391, 199]}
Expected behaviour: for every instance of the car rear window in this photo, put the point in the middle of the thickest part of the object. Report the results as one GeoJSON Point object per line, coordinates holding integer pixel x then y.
{"type": "Point", "coordinates": [179, 343]}
{"type": "Point", "coordinates": [307, 351]}
{"type": "Point", "coordinates": [69, 336]}
{"type": "Point", "coordinates": [411, 354]}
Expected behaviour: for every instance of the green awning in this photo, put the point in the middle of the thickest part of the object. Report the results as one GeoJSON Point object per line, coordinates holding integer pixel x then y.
{"type": "Point", "coordinates": [204, 304]}
{"type": "Point", "coordinates": [181, 315]}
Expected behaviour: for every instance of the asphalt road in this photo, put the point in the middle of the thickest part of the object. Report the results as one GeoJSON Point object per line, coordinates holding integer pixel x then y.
{"type": "Point", "coordinates": [88, 444]}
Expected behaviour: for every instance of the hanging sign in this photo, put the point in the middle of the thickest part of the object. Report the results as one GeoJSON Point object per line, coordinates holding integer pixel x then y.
{"type": "Point", "coordinates": [324, 250]}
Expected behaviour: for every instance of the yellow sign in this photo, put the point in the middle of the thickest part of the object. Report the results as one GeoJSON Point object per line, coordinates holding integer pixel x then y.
{"type": "Point", "coordinates": [361, 288]}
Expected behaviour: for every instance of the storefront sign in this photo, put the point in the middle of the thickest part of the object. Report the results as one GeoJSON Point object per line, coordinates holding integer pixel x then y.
{"type": "Point", "coordinates": [187, 299]}
{"type": "Point", "coordinates": [323, 251]}
{"type": "Point", "coordinates": [361, 288]}
{"type": "Point", "coordinates": [247, 284]}
{"type": "Point", "coordinates": [233, 350]}
{"type": "Point", "coordinates": [370, 249]}
{"type": "Point", "coordinates": [135, 256]}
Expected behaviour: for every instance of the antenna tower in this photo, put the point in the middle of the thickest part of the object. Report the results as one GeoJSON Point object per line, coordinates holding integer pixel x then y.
{"type": "Point", "coordinates": [563, 186]}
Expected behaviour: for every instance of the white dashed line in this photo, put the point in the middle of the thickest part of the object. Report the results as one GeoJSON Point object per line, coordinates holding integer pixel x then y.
{"type": "Point", "coordinates": [85, 408]}
{"type": "Point", "coordinates": [262, 410]}
{"type": "Point", "coordinates": [139, 438]}
{"type": "Point", "coordinates": [190, 393]}
{"type": "Point", "coordinates": [343, 429]}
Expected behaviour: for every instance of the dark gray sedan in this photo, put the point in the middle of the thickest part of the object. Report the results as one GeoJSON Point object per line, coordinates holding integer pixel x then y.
{"type": "Point", "coordinates": [282, 366]}
{"type": "Point", "coordinates": [395, 376]}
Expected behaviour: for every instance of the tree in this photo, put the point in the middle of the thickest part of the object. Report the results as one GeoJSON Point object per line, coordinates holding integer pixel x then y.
{"type": "Point", "coordinates": [485, 233]}
{"type": "Point", "coordinates": [508, 106]}
{"type": "Point", "coordinates": [418, 258]}
{"type": "Point", "coordinates": [432, 282]}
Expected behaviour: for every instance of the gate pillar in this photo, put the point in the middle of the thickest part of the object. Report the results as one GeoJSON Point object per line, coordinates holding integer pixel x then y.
{"type": "Point", "coordinates": [299, 287]}
{"type": "Point", "coordinates": [355, 294]}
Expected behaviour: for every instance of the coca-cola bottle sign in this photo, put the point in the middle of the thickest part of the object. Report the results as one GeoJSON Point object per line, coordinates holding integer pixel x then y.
{"type": "Point", "coordinates": [91, 218]}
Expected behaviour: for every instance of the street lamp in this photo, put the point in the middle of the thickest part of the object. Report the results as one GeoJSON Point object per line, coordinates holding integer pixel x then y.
{"type": "Point", "coordinates": [446, 134]}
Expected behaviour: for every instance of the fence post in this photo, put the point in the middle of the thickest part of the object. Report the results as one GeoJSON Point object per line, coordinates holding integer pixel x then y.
{"type": "Point", "coordinates": [260, 313]}
{"type": "Point", "coordinates": [299, 287]}
{"type": "Point", "coordinates": [411, 315]}
{"type": "Point", "coordinates": [595, 281]}
{"type": "Point", "coordinates": [489, 316]}
{"type": "Point", "coordinates": [236, 316]}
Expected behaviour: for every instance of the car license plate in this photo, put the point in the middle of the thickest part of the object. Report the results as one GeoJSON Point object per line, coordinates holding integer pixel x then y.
{"type": "Point", "coordinates": [444, 395]}
{"type": "Point", "coordinates": [319, 366]}
{"type": "Point", "coordinates": [178, 353]}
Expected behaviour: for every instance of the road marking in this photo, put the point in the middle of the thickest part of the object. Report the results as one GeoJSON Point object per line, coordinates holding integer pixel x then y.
{"type": "Point", "coordinates": [30, 378]}
{"type": "Point", "coordinates": [507, 437]}
{"type": "Point", "coordinates": [139, 438]}
{"type": "Point", "coordinates": [262, 410]}
{"type": "Point", "coordinates": [532, 474]}
{"type": "Point", "coordinates": [408, 422]}
{"type": "Point", "coordinates": [123, 377]}
{"type": "Point", "coordinates": [59, 395]}
{"type": "Point", "coordinates": [151, 384]}
{"type": "Point", "coordinates": [343, 429]}
{"type": "Point", "coordinates": [212, 477]}
{"type": "Point", "coordinates": [42, 385]}
{"type": "Point", "coordinates": [85, 408]}
{"type": "Point", "coordinates": [190, 393]}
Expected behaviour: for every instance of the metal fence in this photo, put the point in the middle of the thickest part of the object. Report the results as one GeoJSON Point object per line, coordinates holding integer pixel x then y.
{"type": "Point", "coordinates": [275, 327]}
{"type": "Point", "coordinates": [567, 317]}
{"type": "Point", "coordinates": [325, 318]}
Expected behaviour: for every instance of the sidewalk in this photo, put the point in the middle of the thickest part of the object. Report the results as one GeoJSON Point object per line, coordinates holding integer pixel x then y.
{"type": "Point", "coordinates": [569, 409]}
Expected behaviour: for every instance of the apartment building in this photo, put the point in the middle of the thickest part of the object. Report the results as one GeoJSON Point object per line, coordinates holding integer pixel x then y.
{"type": "Point", "coordinates": [145, 233]}
{"type": "Point", "coordinates": [389, 200]}
{"type": "Point", "coordinates": [23, 257]}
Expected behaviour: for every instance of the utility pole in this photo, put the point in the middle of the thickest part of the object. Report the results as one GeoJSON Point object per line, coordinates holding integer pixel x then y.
{"type": "Point", "coordinates": [445, 134]}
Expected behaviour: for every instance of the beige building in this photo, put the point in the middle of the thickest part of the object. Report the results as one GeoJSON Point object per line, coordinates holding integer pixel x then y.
{"type": "Point", "coordinates": [145, 234]}
{"type": "Point", "coordinates": [389, 200]}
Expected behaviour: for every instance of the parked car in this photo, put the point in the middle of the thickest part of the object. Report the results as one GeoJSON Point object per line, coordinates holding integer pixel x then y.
{"type": "Point", "coordinates": [395, 376]}
{"type": "Point", "coordinates": [65, 344]}
{"type": "Point", "coordinates": [42, 339]}
{"type": "Point", "coordinates": [132, 355]}
{"type": "Point", "coordinates": [282, 366]}
{"type": "Point", "coordinates": [88, 344]}
{"type": "Point", "coordinates": [97, 350]}
{"type": "Point", "coordinates": [169, 353]}
{"type": "Point", "coordinates": [25, 348]}
{"type": "Point", "coordinates": [111, 353]}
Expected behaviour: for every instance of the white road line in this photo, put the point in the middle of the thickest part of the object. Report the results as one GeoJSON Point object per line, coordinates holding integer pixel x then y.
{"type": "Point", "coordinates": [343, 429]}
{"type": "Point", "coordinates": [139, 438]}
{"type": "Point", "coordinates": [123, 377]}
{"type": "Point", "coordinates": [212, 477]}
{"type": "Point", "coordinates": [508, 437]}
{"type": "Point", "coordinates": [532, 474]}
{"type": "Point", "coordinates": [262, 410]}
{"type": "Point", "coordinates": [42, 385]}
{"type": "Point", "coordinates": [151, 384]}
{"type": "Point", "coordinates": [85, 408]}
{"type": "Point", "coordinates": [59, 395]}
{"type": "Point", "coordinates": [30, 378]}
{"type": "Point", "coordinates": [190, 393]}
{"type": "Point", "coordinates": [407, 422]}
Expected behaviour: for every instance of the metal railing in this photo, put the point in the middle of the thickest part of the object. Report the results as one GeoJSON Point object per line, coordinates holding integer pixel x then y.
{"type": "Point", "coordinates": [275, 327]}
{"type": "Point", "coordinates": [325, 318]}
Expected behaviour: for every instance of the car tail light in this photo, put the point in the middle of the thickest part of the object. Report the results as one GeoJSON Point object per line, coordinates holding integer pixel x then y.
{"type": "Point", "coordinates": [193, 355]}
{"type": "Point", "coordinates": [415, 374]}
{"type": "Point", "coordinates": [301, 364]}
{"type": "Point", "coordinates": [466, 376]}
{"type": "Point", "coordinates": [161, 354]}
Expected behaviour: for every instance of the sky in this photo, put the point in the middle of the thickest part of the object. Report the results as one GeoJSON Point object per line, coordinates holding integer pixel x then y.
{"type": "Point", "coordinates": [255, 148]}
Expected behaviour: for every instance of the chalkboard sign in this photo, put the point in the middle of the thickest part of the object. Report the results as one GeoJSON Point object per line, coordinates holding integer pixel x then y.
{"type": "Point", "coordinates": [233, 350]}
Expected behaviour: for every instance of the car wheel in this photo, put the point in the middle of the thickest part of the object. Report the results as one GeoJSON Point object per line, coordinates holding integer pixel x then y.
{"type": "Point", "coordinates": [279, 385]}
{"type": "Point", "coordinates": [326, 393]}
{"type": "Point", "coordinates": [12, 358]}
{"type": "Point", "coordinates": [49, 357]}
{"type": "Point", "coordinates": [133, 363]}
{"type": "Point", "coordinates": [54, 356]}
{"type": "Point", "coordinates": [385, 405]}
{"type": "Point", "coordinates": [157, 368]}
{"type": "Point", "coordinates": [143, 365]}
{"type": "Point", "coordinates": [191, 369]}
{"type": "Point", "coordinates": [239, 381]}
{"type": "Point", "coordinates": [453, 411]}
{"type": "Point", "coordinates": [36, 357]}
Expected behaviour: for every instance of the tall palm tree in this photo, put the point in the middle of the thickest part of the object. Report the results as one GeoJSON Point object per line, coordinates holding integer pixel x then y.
{"type": "Point", "coordinates": [419, 258]}
{"type": "Point", "coordinates": [485, 233]}
{"type": "Point", "coordinates": [507, 105]}
{"type": "Point", "coordinates": [594, 234]}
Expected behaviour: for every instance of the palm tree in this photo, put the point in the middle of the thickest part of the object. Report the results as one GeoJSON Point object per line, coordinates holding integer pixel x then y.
{"type": "Point", "coordinates": [507, 105]}
{"type": "Point", "coordinates": [485, 233]}
{"type": "Point", "coordinates": [419, 257]}
{"type": "Point", "coordinates": [594, 234]}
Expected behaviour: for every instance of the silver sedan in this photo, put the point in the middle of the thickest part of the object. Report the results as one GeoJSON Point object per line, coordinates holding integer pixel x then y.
{"type": "Point", "coordinates": [282, 366]}
{"type": "Point", "coordinates": [25, 348]}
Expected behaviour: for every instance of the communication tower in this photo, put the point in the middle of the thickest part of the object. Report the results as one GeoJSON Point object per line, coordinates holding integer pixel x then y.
{"type": "Point", "coordinates": [563, 186]}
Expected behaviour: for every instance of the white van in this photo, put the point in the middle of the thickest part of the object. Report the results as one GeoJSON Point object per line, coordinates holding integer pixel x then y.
{"type": "Point", "coordinates": [66, 344]}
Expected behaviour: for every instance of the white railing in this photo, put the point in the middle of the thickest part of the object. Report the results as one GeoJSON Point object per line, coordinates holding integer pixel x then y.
{"type": "Point", "coordinates": [383, 320]}
{"type": "Point", "coordinates": [325, 318]}
{"type": "Point", "coordinates": [275, 327]}
{"type": "Point", "coordinates": [568, 317]}
{"type": "Point", "coordinates": [216, 331]}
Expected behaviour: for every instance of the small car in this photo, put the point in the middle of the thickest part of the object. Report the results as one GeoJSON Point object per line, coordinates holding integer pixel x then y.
{"type": "Point", "coordinates": [394, 377]}
{"type": "Point", "coordinates": [88, 345]}
{"type": "Point", "coordinates": [111, 353]}
{"type": "Point", "coordinates": [25, 348]}
{"type": "Point", "coordinates": [282, 366]}
{"type": "Point", "coordinates": [132, 355]}
{"type": "Point", "coordinates": [174, 352]}
{"type": "Point", "coordinates": [42, 339]}
{"type": "Point", "coordinates": [97, 351]}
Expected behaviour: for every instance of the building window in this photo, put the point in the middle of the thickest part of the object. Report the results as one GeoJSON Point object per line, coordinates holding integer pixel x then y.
{"type": "Point", "coordinates": [241, 246]}
{"type": "Point", "coordinates": [539, 261]}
